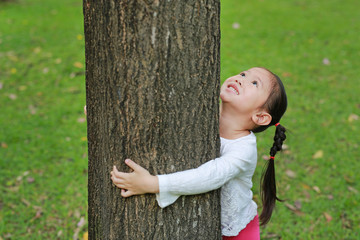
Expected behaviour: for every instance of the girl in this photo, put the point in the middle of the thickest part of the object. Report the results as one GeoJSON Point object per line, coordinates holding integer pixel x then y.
{"type": "Point", "coordinates": [251, 102]}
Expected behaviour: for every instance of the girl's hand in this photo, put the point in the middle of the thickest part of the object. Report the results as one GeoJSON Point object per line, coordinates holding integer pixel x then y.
{"type": "Point", "coordinates": [140, 181]}
{"type": "Point", "coordinates": [85, 110]}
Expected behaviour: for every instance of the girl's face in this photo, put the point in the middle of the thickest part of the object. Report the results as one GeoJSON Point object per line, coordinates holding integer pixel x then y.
{"type": "Point", "coordinates": [247, 91]}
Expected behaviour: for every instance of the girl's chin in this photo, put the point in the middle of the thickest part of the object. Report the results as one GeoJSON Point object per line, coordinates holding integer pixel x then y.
{"type": "Point", "coordinates": [227, 95]}
{"type": "Point", "coordinates": [225, 99]}
{"type": "Point", "coordinates": [222, 96]}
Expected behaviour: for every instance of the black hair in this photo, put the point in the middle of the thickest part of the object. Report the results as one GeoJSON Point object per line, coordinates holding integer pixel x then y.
{"type": "Point", "coordinates": [276, 105]}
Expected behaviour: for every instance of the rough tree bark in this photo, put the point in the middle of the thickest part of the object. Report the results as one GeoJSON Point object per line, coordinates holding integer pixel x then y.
{"type": "Point", "coordinates": [152, 85]}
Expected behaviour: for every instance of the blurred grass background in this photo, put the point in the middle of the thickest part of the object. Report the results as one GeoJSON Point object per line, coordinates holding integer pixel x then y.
{"type": "Point", "coordinates": [312, 45]}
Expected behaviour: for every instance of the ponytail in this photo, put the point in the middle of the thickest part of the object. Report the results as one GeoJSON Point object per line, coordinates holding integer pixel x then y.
{"type": "Point", "coordinates": [268, 183]}
{"type": "Point", "coordinates": [275, 105]}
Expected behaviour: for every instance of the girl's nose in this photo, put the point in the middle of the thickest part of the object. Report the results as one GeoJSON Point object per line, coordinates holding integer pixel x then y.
{"type": "Point", "coordinates": [238, 82]}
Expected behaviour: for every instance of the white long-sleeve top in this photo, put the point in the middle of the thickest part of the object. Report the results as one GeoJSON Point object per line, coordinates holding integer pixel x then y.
{"type": "Point", "coordinates": [232, 171]}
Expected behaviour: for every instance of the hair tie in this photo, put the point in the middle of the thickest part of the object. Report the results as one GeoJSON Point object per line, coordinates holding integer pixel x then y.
{"type": "Point", "coordinates": [271, 157]}
{"type": "Point", "coordinates": [277, 124]}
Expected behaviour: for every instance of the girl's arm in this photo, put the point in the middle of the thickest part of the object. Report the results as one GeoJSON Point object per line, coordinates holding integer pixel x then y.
{"type": "Point", "coordinates": [209, 176]}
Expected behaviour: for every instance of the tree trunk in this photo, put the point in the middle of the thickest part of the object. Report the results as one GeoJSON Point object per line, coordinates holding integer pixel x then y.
{"type": "Point", "coordinates": [152, 86]}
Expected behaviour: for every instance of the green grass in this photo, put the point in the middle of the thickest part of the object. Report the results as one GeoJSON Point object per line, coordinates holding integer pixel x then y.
{"type": "Point", "coordinates": [43, 161]}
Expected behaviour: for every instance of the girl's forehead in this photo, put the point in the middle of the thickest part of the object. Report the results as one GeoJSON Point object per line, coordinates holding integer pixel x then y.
{"type": "Point", "coordinates": [260, 73]}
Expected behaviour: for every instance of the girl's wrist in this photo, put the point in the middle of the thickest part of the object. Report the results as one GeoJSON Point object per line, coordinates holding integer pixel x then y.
{"type": "Point", "coordinates": [154, 184]}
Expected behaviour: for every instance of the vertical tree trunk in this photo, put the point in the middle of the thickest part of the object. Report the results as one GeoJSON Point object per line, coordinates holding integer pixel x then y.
{"type": "Point", "coordinates": [152, 85]}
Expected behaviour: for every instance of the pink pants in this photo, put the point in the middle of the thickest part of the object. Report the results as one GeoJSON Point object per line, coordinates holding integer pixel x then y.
{"type": "Point", "coordinates": [250, 232]}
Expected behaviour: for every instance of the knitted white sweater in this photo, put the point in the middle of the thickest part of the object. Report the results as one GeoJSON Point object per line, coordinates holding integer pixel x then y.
{"type": "Point", "coordinates": [232, 171]}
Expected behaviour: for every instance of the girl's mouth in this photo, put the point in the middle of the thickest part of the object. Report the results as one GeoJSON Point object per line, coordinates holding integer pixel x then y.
{"type": "Point", "coordinates": [233, 88]}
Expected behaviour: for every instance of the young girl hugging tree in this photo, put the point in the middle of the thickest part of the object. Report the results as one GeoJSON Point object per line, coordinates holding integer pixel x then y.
{"type": "Point", "coordinates": [251, 102]}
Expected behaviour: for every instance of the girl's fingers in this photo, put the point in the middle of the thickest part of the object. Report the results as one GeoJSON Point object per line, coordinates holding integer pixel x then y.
{"type": "Point", "coordinates": [116, 181]}
{"type": "Point", "coordinates": [120, 183]}
{"type": "Point", "coordinates": [125, 193]}
{"type": "Point", "coordinates": [115, 169]}
{"type": "Point", "coordinates": [133, 165]}
{"type": "Point", "coordinates": [116, 173]}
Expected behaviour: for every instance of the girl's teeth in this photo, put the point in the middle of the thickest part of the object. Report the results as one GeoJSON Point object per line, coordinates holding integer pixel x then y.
{"type": "Point", "coordinates": [234, 90]}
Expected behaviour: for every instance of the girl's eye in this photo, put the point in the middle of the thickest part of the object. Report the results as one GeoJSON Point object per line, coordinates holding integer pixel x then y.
{"type": "Point", "coordinates": [242, 74]}
{"type": "Point", "coordinates": [255, 83]}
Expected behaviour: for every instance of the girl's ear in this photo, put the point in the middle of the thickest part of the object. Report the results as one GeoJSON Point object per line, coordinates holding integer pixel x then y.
{"type": "Point", "coordinates": [262, 118]}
